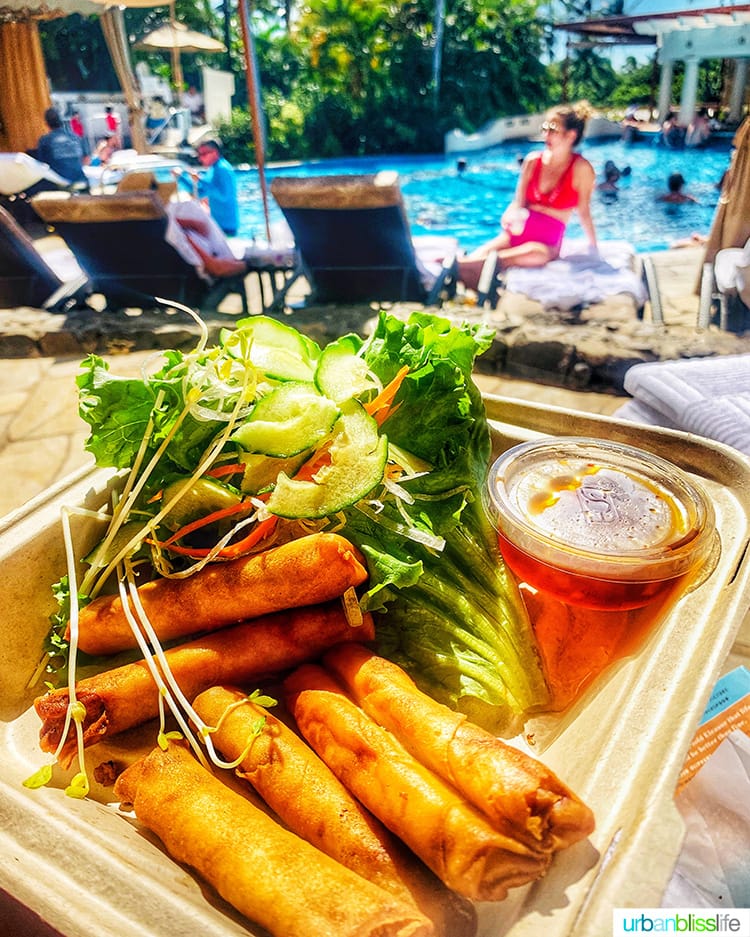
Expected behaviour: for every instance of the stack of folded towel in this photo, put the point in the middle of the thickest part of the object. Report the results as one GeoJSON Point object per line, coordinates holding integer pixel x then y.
{"type": "Point", "coordinates": [706, 396]}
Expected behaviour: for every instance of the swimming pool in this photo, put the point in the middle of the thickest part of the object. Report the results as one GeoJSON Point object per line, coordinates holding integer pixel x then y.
{"type": "Point", "coordinates": [468, 206]}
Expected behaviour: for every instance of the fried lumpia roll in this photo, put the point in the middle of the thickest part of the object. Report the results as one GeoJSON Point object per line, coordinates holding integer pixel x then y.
{"type": "Point", "coordinates": [266, 872]}
{"type": "Point", "coordinates": [450, 835]}
{"type": "Point", "coordinates": [307, 571]}
{"type": "Point", "coordinates": [315, 805]}
{"type": "Point", "coordinates": [519, 795]}
{"type": "Point", "coordinates": [127, 696]}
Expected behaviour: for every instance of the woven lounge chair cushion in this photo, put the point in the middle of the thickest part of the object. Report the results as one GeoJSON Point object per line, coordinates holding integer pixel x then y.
{"type": "Point", "coordinates": [146, 181]}
{"type": "Point", "coordinates": [380, 190]}
{"type": "Point", "coordinates": [56, 208]}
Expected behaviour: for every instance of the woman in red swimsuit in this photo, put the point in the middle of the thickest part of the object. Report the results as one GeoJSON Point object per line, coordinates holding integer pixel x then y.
{"type": "Point", "coordinates": [553, 183]}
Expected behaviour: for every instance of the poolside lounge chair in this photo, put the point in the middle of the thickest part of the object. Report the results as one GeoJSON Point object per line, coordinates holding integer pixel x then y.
{"type": "Point", "coordinates": [120, 241]}
{"type": "Point", "coordinates": [578, 279]}
{"type": "Point", "coordinates": [726, 283]}
{"type": "Point", "coordinates": [21, 177]}
{"type": "Point", "coordinates": [354, 242]}
{"type": "Point", "coordinates": [144, 180]}
{"type": "Point", "coordinates": [26, 279]}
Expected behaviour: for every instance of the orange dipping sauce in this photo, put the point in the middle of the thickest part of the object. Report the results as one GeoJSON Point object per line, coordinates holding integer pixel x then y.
{"type": "Point", "coordinates": [602, 538]}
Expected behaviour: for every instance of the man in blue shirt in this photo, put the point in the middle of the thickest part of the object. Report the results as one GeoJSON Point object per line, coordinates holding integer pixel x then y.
{"type": "Point", "coordinates": [218, 185]}
{"type": "Point", "coordinates": [61, 150]}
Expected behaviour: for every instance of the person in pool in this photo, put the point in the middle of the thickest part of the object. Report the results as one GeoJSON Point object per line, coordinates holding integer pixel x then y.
{"type": "Point", "coordinates": [554, 182]}
{"type": "Point", "coordinates": [675, 193]}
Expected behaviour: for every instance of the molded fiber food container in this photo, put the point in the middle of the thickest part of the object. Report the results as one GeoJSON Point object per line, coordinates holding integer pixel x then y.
{"type": "Point", "coordinates": [84, 868]}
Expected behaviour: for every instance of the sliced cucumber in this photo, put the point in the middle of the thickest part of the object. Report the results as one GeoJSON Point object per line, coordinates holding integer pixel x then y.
{"type": "Point", "coordinates": [100, 556]}
{"type": "Point", "coordinates": [277, 350]}
{"type": "Point", "coordinates": [341, 373]}
{"type": "Point", "coordinates": [204, 496]}
{"type": "Point", "coordinates": [358, 457]}
{"type": "Point", "coordinates": [292, 418]}
{"type": "Point", "coordinates": [261, 471]}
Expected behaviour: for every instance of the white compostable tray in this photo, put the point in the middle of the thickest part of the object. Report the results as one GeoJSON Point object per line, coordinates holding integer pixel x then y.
{"type": "Point", "coordinates": [84, 869]}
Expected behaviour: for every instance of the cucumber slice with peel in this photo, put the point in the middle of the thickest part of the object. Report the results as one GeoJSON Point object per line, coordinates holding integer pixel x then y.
{"type": "Point", "coordinates": [100, 556]}
{"type": "Point", "coordinates": [358, 459]}
{"type": "Point", "coordinates": [261, 471]}
{"type": "Point", "coordinates": [341, 373]}
{"type": "Point", "coordinates": [276, 350]}
{"type": "Point", "coordinates": [290, 419]}
{"type": "Point", "coordinates": [197, 498]}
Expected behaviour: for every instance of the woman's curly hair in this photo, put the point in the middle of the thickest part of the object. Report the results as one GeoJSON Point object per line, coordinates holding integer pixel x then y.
{"type": "Point", "coordinates": [573, 117]}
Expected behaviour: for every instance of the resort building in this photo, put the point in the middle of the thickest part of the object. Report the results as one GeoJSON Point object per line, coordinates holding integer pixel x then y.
{"type": "Point", "coordinates": [688, 31]}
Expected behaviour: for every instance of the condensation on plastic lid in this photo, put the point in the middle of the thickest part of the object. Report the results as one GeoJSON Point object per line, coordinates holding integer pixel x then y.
{"type": "Point", "coordinates": [576, 496]}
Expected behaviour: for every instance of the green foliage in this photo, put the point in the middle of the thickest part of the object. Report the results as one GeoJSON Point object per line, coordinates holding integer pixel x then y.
{"type": "Point", "coordinates": [76, 56]}
{"type": "Point", "coordinates": [637, 84]}
{"type": "Point", "coordinates": [236, 135]}
{"type": "Point", "coordinates": [355, 77]}
{"type": "Point", "coordinates": [590, 77]}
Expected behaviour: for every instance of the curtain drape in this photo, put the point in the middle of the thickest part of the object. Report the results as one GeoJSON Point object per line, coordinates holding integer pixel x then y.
{"type": "Point", "coordinates": [24, 94]}
{"type": "Point", "coordinates": [115, 35]}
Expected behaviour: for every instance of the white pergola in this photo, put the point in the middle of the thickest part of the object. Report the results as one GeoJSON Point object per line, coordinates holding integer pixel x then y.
{"type": "Point", "coordinates": [691, 34]}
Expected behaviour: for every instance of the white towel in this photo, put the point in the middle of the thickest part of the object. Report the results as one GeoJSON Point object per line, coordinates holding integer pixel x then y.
{"type": "Point", "coordinates": [19, 171]}
{"type": "Point", "coordinates": [579, 277]}
{"type": "Point", "coordinates": [213, 241]}
{"type": "Point", "coordinates": [706, 396]}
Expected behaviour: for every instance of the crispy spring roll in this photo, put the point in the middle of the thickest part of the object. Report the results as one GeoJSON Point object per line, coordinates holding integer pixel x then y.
{"type": "Point", "coordinates": [127, 696]}
{"type": "Point", "coordinates": [307, 571]}
{"type": "Point", "coordinates": [315, 805]}
{"type": "Point", "coordinates": [519, 795]}
{"type": "Point", "coordinates": [450, 835]}
{"type": "Point", "coordinates": [266, 872]}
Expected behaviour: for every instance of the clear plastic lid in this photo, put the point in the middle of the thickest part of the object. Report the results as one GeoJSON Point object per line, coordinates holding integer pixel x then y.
{"type": "Point", "coordinates": [600, 508]}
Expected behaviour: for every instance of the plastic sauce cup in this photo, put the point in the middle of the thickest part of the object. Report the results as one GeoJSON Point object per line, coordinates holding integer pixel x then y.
{"type": "Point", "coordinates": [603, 538]}
{"type": "Point", "coordinates": [598, 524]}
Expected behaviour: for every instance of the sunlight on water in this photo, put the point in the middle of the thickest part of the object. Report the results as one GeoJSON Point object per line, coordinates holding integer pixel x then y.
{"type": "Point", "coordinates": [468, 206]}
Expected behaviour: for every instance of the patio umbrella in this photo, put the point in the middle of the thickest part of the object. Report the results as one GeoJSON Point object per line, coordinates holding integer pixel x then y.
{"type": "Point", "coordinates": [176, 37]}
{"type": "Point", "coordinates": [254, 101]}
{"type": "Point", "coordinates": [731, 224]}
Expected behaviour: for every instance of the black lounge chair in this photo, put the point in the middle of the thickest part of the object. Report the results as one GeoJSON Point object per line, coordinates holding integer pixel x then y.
{"type": "Point", "coordinates": [119, 241]}
{"type": "Point", "coordinates": [354, 241]}
{"type": "Point", "coordinates": [26, 279]}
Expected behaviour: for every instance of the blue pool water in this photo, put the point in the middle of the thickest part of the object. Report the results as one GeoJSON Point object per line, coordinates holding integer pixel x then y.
{"type": "Point", "coordinates": [468, 206]}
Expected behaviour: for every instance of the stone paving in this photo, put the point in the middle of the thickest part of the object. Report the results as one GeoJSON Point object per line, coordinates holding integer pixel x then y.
{"type": "Point", "coordinates": [591, 349]}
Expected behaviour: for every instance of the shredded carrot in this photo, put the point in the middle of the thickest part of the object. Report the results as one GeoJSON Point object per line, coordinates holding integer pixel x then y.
{"type": "Point", "coordinates": [220, 470]}
{"type": "Point", "coordinates": [380, 407]}
{"type": "Point", "coordinates": [208, 519]}
{"type": "Point", "coordinates": [261, 530]}
{"type": "Point", "coordinates": [233, 550]}
{"type": "Point", "coordinates": [308, 469]}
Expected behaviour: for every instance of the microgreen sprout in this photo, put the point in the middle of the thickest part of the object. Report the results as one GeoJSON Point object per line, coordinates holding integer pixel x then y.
{"type": "Point", "coordinates": [257, 698]}
{"type": "Point", "coordinates": [79, 786]}
{"type": "Point", "coordinates": [39, 778]}
{"type": "Point", "coordinates": [164, 738]}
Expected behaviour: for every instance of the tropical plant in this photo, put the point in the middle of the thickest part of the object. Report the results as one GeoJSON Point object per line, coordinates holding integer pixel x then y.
{"type": "Point", "coordinates": [76, 55]}
{"type": "Point", "coordinates": [350, 77]}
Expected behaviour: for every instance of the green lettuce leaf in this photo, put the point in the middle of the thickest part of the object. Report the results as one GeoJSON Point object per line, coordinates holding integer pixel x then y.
{"type": "Point", "coordinates": [454, 618]}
